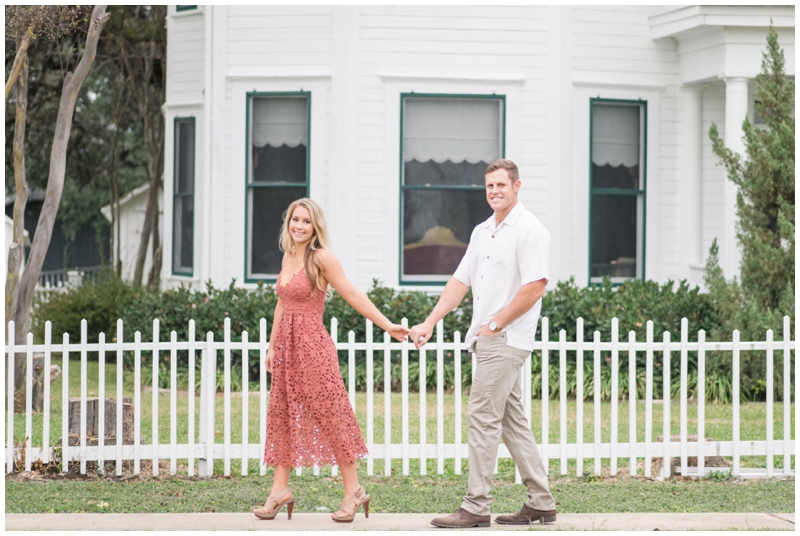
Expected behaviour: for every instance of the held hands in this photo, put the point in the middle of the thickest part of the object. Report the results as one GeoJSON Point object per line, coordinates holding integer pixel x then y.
{"type": "Point", "coordinates": [398, 332]}
{"type": "Point", "coordinates": [420, 334]}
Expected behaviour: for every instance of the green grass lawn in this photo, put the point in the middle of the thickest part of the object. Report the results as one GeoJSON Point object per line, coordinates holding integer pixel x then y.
{"type": "Point", "coordinates": [718, 420]}
{"type": "Point", "coordinates": [412, 494]}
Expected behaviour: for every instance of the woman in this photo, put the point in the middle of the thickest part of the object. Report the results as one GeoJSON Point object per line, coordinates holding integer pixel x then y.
{"type": "Point", "coordinates": [310, 420]}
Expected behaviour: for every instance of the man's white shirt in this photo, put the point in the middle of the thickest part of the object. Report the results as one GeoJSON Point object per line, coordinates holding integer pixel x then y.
{"type": "Point", "coordinates": [499, 260]}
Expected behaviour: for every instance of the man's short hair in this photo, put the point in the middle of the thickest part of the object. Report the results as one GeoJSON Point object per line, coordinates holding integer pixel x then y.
{"type": "Point", "coordinates": [508, 165]}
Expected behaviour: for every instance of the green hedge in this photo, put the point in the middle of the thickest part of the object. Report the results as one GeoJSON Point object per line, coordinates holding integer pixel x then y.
{"type": "Point", "coordinates": [634, 303]}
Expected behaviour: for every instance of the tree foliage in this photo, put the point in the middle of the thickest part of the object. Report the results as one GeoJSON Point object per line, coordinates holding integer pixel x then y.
{"type": "Point", "coordinates": [765, 198]}
{"type": "Point", "coordinates": [766, 218]}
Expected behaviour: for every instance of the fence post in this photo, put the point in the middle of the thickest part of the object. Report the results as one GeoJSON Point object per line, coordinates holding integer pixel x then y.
{"type": "Point", "coordinates": [48, 341]}
{"type": "Point", "coordinates": [614, 393]}
{"type": "Point", "coordinates": [596, 391]}
{"type": "Point", "coordinates": [192, 395]}
{"type": "Point", "coordinates": [665, 402]}
{"type": "Point", "coordinates": [404, 398]}
{"type": "Point", "coordinates": [64, 404]}
{"type": "Point", "coordinates": [120, 405]}
{"type": "Point", "coordinates": [648, 400]}
{"type": "Point", "coordinates": [10, 401]}
{"type": "Point", "coordinates": [562, 388]}
{"type": "Point", "coordinates": [457, 387]}
{"type": "Point", "coordinates": [787, 398]}
{"type": "Point", "coordinates": [205, 465]}
{"type": "Point", "coordinates": [29, 402]}
{"type": "Point", "coordinates": [155, 440]}
{"type": "Point", "coordinates": [770, 402]}
{"type": "Point", "coordinates": [545, 394]}
{"type": "Point", "coordinates": [226, 404]}
{"type": "Point", "coordinates": [579, 397]}
{"type": "Point", "coordinates": [736, 380]}
{"type": "Point", "coordinates": [440, 397]}
{"type": "Point", "coordinates": [632, 401]}
{"type": "Point", "coordinates": [82, 429]}
{"type": "Point", "coordinates": [701, 403]}
{"type": "Point", "coordinates": [684, 393]}
{"type": "Point", "coordinates": [387, 404]}
{"type": "Point", "coordinates": [370, 401]}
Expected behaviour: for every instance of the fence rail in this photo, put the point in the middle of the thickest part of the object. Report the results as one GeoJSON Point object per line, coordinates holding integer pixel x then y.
{"type": "Point", "coordinates": [203, 451]}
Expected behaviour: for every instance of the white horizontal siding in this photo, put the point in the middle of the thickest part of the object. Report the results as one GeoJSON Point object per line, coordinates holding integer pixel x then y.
{"type": "Point", "coordinates": [270, 36]}
{"type": "Point", "coordinates": [186, 59]}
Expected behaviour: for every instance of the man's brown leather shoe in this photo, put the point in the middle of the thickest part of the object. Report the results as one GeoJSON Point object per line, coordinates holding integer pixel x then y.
{"type": "Point", "coordinates": [526, 516]}
{"type": "Point", "coordinates": [462, 519]}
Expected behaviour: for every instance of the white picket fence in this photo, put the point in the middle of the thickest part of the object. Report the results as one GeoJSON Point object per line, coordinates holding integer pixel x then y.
{"type": "Point", "coordinates": [207, 449]}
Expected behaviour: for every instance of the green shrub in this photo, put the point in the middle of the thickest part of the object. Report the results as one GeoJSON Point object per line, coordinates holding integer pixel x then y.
{"type": "Point", "coordinates": [633, 303]}
{"type": "Point", "coordinates": [96, 300]}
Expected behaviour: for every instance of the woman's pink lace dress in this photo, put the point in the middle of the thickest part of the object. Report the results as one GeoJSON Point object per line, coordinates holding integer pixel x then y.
{"type": "Point", "coordinates": [310, 420]}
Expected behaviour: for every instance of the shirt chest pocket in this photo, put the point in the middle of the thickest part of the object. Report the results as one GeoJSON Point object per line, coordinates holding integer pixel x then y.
{"type": "Point", "coordinates": [504, 256]}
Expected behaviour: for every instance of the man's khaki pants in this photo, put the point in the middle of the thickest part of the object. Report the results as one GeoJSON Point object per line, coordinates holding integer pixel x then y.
{"type": "Point", "coordinates": [495, 410]}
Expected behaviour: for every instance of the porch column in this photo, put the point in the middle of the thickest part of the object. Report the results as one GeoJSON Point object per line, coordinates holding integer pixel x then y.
{"type": "Point", "coordinates": [735, 112]}
{"type": "Point", "coordinates": [691, 202]}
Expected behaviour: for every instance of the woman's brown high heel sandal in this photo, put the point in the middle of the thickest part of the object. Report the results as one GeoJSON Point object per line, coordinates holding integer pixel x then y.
{"type": "Point", "coordinates": [359, 498]}
{"type": "Point", "coordinates": [274, 503]}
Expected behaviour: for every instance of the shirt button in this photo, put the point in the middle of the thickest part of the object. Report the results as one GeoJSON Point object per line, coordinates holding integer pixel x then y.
{"type": "Point", "coordinates": [487, 256]}
{"type": "Point", "coordinates": [492, 236]}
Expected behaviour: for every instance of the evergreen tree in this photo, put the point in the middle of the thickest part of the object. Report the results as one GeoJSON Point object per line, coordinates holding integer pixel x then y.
{"type": "Point", "coordinates": [766, 219]}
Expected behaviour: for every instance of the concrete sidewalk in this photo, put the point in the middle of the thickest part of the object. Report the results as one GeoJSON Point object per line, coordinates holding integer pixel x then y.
{"type": "Point", "coordinates": [318, 522]}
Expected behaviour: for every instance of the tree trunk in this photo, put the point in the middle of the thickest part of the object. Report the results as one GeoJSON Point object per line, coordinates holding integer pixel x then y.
{"type": "Point", "coordinates": [16, 250]}
{"type": "Point", "coordinates": [113, 176]}
{"type": "Point", "coordinates": [150, 97]}
{"type": "Point", "coordinates": [21, 309]}
{"type": "Point", "coordinates": [22, 54]}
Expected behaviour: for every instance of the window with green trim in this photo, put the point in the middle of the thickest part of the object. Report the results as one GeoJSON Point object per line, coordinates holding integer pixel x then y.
{"type": "Point", "coordinates": [277, 173]}
{"type": "Point", "coordinates": [617, 200]}
{"type": "Point", "coordinates": [447, 143]}
{"type": "Point", "coordinates": [183, 197]}
{"type": "Point", "coordinates": [184, 8]}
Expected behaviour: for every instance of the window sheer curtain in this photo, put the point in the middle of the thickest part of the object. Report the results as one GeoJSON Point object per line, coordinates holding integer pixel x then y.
{"type": "Point", "coordinates": [279, 121]}
{"type": "Point", "coordinates": [454, 130]}
{"type": "Point", "coordinates": [615, 135]}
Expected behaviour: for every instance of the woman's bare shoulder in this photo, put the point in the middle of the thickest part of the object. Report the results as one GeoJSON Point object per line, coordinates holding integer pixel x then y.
{"type": "Point", "coordinates": [327, 258]}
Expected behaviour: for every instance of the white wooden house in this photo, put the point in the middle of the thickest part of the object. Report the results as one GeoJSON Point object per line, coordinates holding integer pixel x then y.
{"type": "Point", "coordinates": [132, 209]}
{"type": "Point", "coordinates": [388, 115]}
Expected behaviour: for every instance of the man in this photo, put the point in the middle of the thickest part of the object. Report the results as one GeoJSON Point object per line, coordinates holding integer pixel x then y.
{"type": "Point", "coordinates": [506, 264]}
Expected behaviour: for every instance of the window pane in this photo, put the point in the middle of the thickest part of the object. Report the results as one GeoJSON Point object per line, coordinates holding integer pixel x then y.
{"type": "Point", "coordinates": [615, 177]}
{"type": "Point", "coordinates": [447, 173]}
{"type": "Point", "coordinates": [437, 225]}
{"type": "Point", "coordinates": [266, 208]}
{"type": "Point", "coordinates": [279, 139]}
{"type": "Point", "coordinates": [182, 247]}
{"type": "Point", "coordinates": [184, 171]}
{"type": "Point", "coordinates": [279, 164]}
{"type": "Point", "coordinates": [616, 222]}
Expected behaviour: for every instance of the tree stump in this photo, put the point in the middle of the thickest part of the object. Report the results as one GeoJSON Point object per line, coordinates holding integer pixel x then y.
{"type": "Point", "coordinates": [92, 418]}
{"type": "Point", "coordinates": [691, 461]}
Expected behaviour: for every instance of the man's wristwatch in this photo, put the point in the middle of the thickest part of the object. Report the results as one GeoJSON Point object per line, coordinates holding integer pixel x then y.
{"type": "Point", "coordinates": [493, 326]}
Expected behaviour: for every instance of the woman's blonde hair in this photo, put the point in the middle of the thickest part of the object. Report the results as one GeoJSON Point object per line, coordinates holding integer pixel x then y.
{"type": "Point", "coordinates": [319, 241]}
